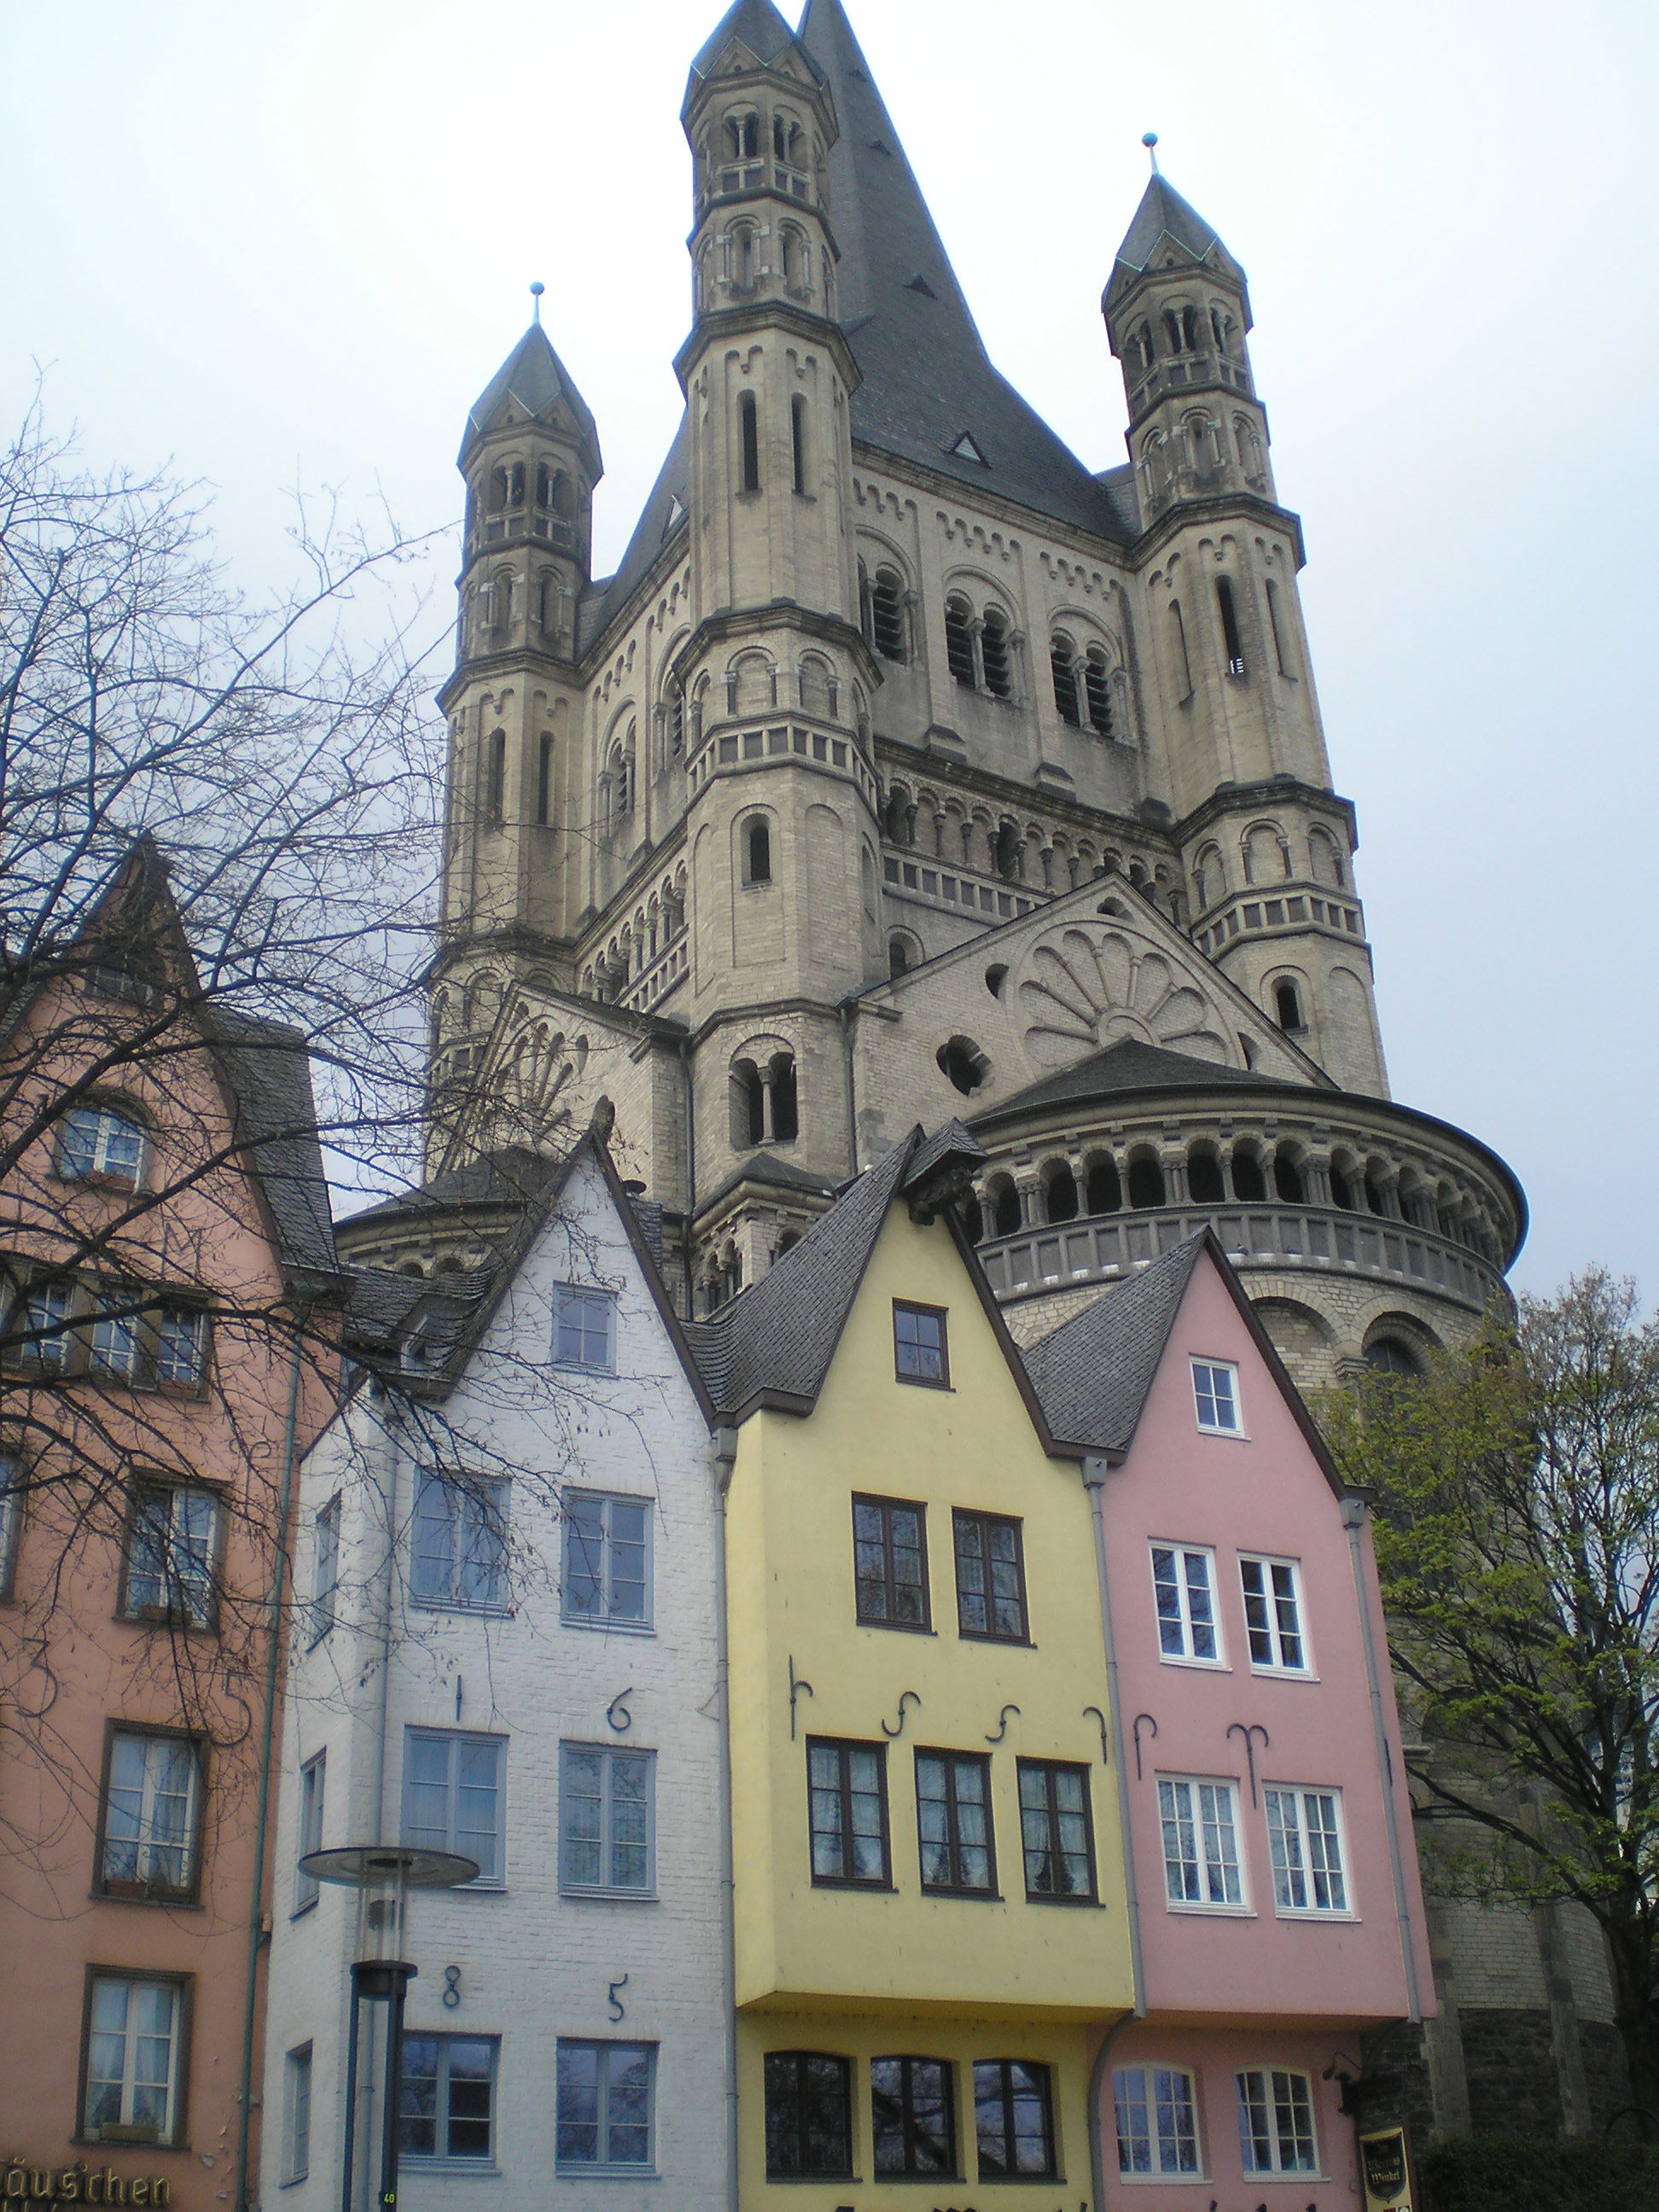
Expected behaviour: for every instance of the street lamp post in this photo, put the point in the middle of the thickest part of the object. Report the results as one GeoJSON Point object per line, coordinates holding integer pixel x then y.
{"type": "Point", "coordinates": [382, 1874]}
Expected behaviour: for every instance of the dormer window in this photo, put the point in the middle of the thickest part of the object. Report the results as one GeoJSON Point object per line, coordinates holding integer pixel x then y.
{"type": "Point", "coordinates": [1215, 1397]}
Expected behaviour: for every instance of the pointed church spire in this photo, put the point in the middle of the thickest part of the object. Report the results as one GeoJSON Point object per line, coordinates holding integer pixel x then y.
{"type": "Point", "coordinates": [752, 25]}
{"type": "Point", "coordinates": [1163, 215]}
{"type": "Point", "coordinates": [534, 380]}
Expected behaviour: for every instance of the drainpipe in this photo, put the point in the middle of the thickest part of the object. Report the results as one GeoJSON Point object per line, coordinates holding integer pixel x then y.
{"type": "Point", "coordinates": [257, 1937]}
{"type": "Point", "coordinates": [726, 1452]}
{"type": "Point", "coordinates": [1095, 1471]}
{"type": "Point", "coordinates": [844, 1009]}
{"type": "Point", "coordinates": [690, 1175]}
{"type": "Point", "coordinates": [1353, 1520]}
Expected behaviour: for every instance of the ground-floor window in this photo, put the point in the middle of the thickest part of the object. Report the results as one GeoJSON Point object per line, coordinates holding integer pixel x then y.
{"type": "Point", "coordinates": [1157, 2120]}
{"type": "Point", "coordinates": [135, 2040]}
{"type": "Point", "coordinates": [1013, 2119]}
{"type": "Point", "coordinates": [604, 2106]}
{"type": "Point", "coordinates": [1276, 2121]}
{"type": "Point", "coordinates": [447, 2105]}
{"type": "Point", "coordinates": [912, 2115]}
{"type": "Point", "coordinates": [809, 2114]}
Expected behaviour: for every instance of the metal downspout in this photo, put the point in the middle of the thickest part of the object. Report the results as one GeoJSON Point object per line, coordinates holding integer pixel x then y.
{"type": "Point", "coordinates": [690, 1177]}
{"type": "Point", "coordinates": [726, 1452]}
{"type": "Point", "coordinates": [256, 1934]}
{"type": "Point", "coordinates": [1095, 1471]}
{"type": "Point", "coordinates": [843, 1007]}
{"type": "Point", "coordinates": [1353, 1520]}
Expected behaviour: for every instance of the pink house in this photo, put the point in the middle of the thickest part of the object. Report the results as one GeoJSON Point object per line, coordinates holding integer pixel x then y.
{"type": "Point", "coordinates": [1276, 1898]}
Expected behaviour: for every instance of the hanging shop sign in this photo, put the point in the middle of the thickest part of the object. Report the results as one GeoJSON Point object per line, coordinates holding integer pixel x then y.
{"type": "Point", "coordinates": [1386, 2171]}
{"type": "Point", "coordinates": [26, 2187]}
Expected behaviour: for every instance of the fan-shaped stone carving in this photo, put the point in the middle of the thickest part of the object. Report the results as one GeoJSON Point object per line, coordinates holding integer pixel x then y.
{"type": "Point", "coordinates": [1095, 984]}
{"type": "Point", "coordinates": [541, 1066]}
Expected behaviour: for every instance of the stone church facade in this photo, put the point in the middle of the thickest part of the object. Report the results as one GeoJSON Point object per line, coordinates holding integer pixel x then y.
{"type": "Point", "coordinates": [905, 767]}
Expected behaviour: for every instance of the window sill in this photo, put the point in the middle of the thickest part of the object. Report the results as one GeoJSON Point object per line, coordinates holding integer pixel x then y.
{"type": "Point", "coordinates": [1164, 2180]}
{"type": "Point", "coordinates": [1088, 1904]}
{"type": "Point", "coordinates": [901, 1627]}
{"type": "Point", "coordinates": [299, 1913]}
{"type": "Point", "coordinates": [1282, 1673]}
{"type": "Point", "coordinates": [475, 2169]}
{"type": "Point", "coordinates": [606, 1627]}
{"type": "Point", "coordinates": [989, 1635]}
{"type": "Point", "coordinates": [1213, 1911]}
{"type": "Point", "coordinates": [852, 1882]}
{"type": "Point", "coordinates": [1313, 1912]}
{"type": "Point", "coordinates": [419, 1604]}
{"type": "Point", "coordinates": [1227, 1435]}
{"type": "Point", "coordinates": [138, 1896]}
{"type": "Point", "coordinates": [926, 1383]}
{"type": "Point", "coordinates": [584, 1366]}
{"type": "Point", "coordinates": [1203, 1666]}
{"type": "Point", "coordinates": [598, 1895]}
{"type": "Point", "coordinates": [567, 2172]}
{"type": "Point", "coordinates": [966, 1897]}
{"type": "Point", "coordinates": [822, 2181]}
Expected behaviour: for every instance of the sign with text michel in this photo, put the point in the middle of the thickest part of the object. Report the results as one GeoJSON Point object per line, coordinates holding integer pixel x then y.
{"type": "Point", "coordinates": [1386, 2171]}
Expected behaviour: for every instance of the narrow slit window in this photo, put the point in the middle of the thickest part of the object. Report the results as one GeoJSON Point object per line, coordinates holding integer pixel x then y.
{"type": "Point", "coordinates": [1231, 639]}
{"type": "Point", "coordinates": [757, 852]}
{"type": "Point", "coordinates": [959, 642]}
{"type": "Point", "coordinates": [1097, 680]}
{"type": "Point", "coordinates": [495, 780]}
{"type": "Point", "coordinates": [1067, 703]}
{"type": "Point", "coordinates": [1273, 624]}
{"type": "Point", "coordinates": [798, 440]}
{"type": "Point", "coordinates": [544, 780]}
{"type": "Point", "coordinates": [997, 658]}
{"type": "Point", "coordinates": [748, 440]}
{"type": "Point", "coordinates": [1184, 667]}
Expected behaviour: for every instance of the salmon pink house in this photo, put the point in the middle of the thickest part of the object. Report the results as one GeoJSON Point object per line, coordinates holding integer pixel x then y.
{"type": "Point", "coordinates": [1274, 1893]}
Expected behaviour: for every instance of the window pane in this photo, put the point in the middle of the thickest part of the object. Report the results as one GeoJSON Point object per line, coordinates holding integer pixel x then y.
{"type": "Point", "coordinates": [578, 2104]}
{"type": "Point", "coordinates": [418, 2108]}
{"type": "Point", "coordinates": [181, 1345]}
{"type": "Point", "coordinates": [809, 2121]}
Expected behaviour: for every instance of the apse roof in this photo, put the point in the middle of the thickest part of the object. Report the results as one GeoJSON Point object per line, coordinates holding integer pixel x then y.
{"type": "Point", "coordinates": [1128, 1064]}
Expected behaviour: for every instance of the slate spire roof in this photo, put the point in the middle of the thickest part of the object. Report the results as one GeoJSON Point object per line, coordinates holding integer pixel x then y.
{"type": "Point", "coordinates": [759, 28]}
{"type": "Point", "coordinates": [1163, 215]}
{"type": "Point", "coordinates": [532, 375]}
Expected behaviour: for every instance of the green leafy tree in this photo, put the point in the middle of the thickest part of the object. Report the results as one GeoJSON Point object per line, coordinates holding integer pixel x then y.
{"type": "Point", "coordinates": [1517, 1496]}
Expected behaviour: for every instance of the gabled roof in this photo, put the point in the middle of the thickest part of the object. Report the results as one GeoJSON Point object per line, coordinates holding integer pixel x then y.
{"type": "Point", "coordinates": [755, 24]}
{"type": "Point", "coordinates": [1093, 1375]}
{"type": "Point", "coordinates": [1128, 1064]}
{"type": "Point", "coordinates": [508, 1177]}
{"type": "Point", "coordinates": [534, 377]}
{"type": "Point", "coordinates": [928, 379]}
{"type": "Point", "coordinates": [1163, 215]}
{"type": "Point", "coordinates": [267, 1070]}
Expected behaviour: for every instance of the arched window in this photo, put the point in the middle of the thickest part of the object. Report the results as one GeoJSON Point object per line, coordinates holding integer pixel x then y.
{"type": "Point", "coordinates": [1273, 625]}
{"type": "Point", "coordinates": [1181, 327]}
{"type": "Point", "coordinates": [543, 485]}
{"type": "Point", "coordinates": [500, 601]}
{"type": "Point", "coordinates": [1342, 1189]}
{"type": "Point", "coordinates": [1059, 1195]}
{"type": "Point", "coordinates": [622, 780]}
{"type": "Point", "coordinates": [1373, 1190]}
{"type": "Point", "coordinates": [898, 956]}
{"type": "Point", "coordinates": [798, 440]}
{"type": "Point", "coordinates": [965, 1065]}
{"type": "Point", "coordinates": [887, 616]}
{"type": "Point", "coordinates": [1005, 1213]}
{"type": "Point", "coordinates": [101, 1144]}
{"type": "Point", "coordinates": [515, 485]}
{"type": "Point", "coordinates": [959, 641]}
{"type": "Point", "coordinates": [1102, 1193]}
{"type": "Point", "coordinates": [1097, 686]}
{"type": "Point", "coordinates": [1062, 661]}
{"type": "Point", "coordinates": [1231, 639]}
{"type": "Point", "coordinates": [497, 490]}
{"type": "Point", "coordinates": [1287, 1178]}
{"type": "Point", "coordinates": [748, 442]}
{"type": "Point", "coordinates": [1141, 348]}
{"type": "Point", "coordinates": [973, 1220]}
{"type": "Point", "coordinates": [1325, 859]}
{"type": "Point", "coordinates": [792, 248]}
{"type": "Point", "coordinates": [1287, 1006]}
{"type": "Point", "coordinates": [1145, 1182]}
{"type": "Point", "coordinates": [1390, 1357]}
{"type": "Point", "coordinates": [748, 1104]}
{"type": "Point", "coordinates": [742, 137]}
{"type": "Point", "coordinates": [1204, 1179]}
{"type": "Point", "coordinates": [786, 1111]}
{"type": "Point", "coordinates": [757, 850]}
{"type": "Point", "coordinates": [545, 779]}
{"type": "Point", "coordinates": [676, 705]}
{"type": "Point", "coordinates": [1184, 667]}
{"type": "Point", "coordinates": [743, 259]}
{"type": "Point", "coordinates": [1199, 448]}
{"type": "Point", "coordinates": [496, 778]}
{"type": "Point", "coordinates": [1224, 327]}
{"type": "Point", "coordinates": [1250, 1184]}
{"type": "Point", "coordinates": [994, 649]}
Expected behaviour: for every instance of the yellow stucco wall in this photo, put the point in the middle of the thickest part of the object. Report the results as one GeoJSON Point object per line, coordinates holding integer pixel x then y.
{"type": "Point", "coordinates": [869, 1972]}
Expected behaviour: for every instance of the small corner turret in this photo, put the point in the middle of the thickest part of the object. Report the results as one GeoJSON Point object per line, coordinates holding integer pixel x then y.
{"type": "Point", "coordinates": [1178, 310]}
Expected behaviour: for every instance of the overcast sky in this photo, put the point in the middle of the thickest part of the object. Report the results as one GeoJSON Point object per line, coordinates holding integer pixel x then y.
{"type": "Point", "coordinates": [272, 241]}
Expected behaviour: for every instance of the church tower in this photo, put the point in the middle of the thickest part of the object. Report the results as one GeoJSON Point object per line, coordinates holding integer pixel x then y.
{"type": "Point", "coordinates": [776, 676]}
{"type": "Point", "coordinates": [1242, 758]}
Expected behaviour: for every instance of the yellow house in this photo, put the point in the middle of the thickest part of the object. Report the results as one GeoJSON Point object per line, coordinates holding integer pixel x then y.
{"type": "Point", "coordinates": [929, 1896]}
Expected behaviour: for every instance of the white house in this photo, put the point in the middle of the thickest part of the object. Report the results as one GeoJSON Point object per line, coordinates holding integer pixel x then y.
{"type": "Point", "coordinates": [508, 1645]}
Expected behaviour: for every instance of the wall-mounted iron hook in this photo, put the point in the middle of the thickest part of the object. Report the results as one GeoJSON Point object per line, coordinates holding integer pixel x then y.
{"type": "Point", "coordinates": [1152, 1724]}
{"type": "Point", "coordinates": [1002, 1723]}
{"type": "Point", "coordinates": [799, 1687]}
{"type": "Point", "coordinates": [906, 1698]}
{"type": "Point", "coordinates": [1093, 1712]}
{"type": "Point", "coordinates": [1250, 1734]}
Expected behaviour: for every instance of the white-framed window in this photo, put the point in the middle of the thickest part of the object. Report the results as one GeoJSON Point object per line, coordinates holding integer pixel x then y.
{"type": "Point", "coordinates": [1215, 1395]}
{"type": "Point", "coordinates": [607, 1820]}
{"type": "Point", "coordinates": [584, 1328]}
{"type": "Point", "coordinates": [1157, 2122]}
{"type": "Point", "coordinates": [607, 1560]}
{"type": "Point", "coordinates": [446, 2110]}
{"type": "Point", "coordinates": [1199, 1821]}
{"type": "Point", "coordinates": [454, 1796]}
{"type": "Point", "coordinates": [1272, 1613]}
{"type": "Point", "coordinates": [1276, 2121]}
{"type": "Point", "coordinates": [11, 1521]}
{"type": "Point", "coordinates": [1304, 1835]}
{"type": "Point", "coordinates": [324, 1567]}
{"type": "Point", "coordinates": [296, 2114]}
{"type": "Point", "coordinates": [606, 2120]}
{"type": "Point", "coordinates": [152, 1815]}
{"type": "Point", "coordinates": [313, 1785]}
{"type": "Point", "coordinates": [1184, 1590]}
{"type": "Point", "coordinates": [459, 1549]}
{"type": "Point", "coordinates": [101, 1142]}
{"type": "Point", "coordinates": [134, 2041]}
{"type": "Point", "coordinates": [172, 1552]}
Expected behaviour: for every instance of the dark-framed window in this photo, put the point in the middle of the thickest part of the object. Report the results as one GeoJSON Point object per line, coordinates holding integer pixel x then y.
{"type": "Point", "coordinates": [1056, 1833]}
{"type": "Point", "coordinates": [953, 1822]}
{"type": "Point", "coordinates": [455, 1795]}
{"type": "Point", "coordinates": [446, 2097]}
{"type": "Point", "coordinates": [172, 1554]}
{"type": "Point", "coordinates": [846, 1800]}
{"type": "Point", "coordinates": [135, 2057]}
{"type": "Point", "coordinates": [150, 1829]}
{"type": "Point", "coordinates": [808, 2115]}
{"type": "Point", "coordinates": [1014, 2120]}
{"type": "Point", "coordinates": [991, 1577]}
{"type": "Point", "coordinates": [922, 1352]}
{"type": "Point", "coordinates": [606, 2101]}
{"type": "Point", "coordinates": [912, 2120]}
{"type": "Point", "coordinates": [890, 1562]}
